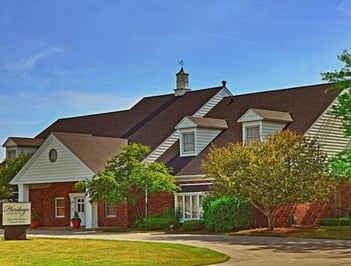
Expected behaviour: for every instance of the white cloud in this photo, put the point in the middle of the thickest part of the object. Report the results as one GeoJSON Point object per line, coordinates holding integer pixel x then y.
{"type": "Point", "coordinates": [29, 62]}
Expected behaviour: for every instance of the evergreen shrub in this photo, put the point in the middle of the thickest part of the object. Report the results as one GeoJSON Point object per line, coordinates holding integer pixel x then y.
{"type": "Point", "coordinates": [226, 214]}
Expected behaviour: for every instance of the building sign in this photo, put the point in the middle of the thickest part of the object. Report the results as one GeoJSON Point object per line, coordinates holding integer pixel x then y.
{"type": "Point", "coordinates": [16, 213]}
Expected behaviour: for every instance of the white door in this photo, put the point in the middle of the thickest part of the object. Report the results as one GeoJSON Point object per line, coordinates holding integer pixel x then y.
{"type": "Point", "coordinates": [79, 206]}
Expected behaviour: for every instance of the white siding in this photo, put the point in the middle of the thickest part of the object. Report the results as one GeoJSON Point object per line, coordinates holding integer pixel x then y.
{"type": "Point", "coordinates": [212, 102]}
{"type": "Point", "coordinates": [67, 167]}
{"type": "Point", "coordinates": [204, 137]}
{"type": "Point", "coordinates": [187, 123]}
{"type": "Point", "coordinates": [269, 128]}
{"type": "Point", "coordinates": [26, 150]}
{"type": "Point", "coordinates": [330, 134]}
{"type": "Point", "coordinates": [250, 116]}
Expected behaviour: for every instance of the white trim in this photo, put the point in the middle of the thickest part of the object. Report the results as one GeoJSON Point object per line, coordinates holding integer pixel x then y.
{"type": "Point", "coordinates": [17, 179]}
{"type": "Point", "coordinates": [246, 125]}
{"type": "Point", "coordinates": [56, 199]}
{"type": "Point", "coordinates": [187, 153]}
{"type": "Point", "coordinates": [182, 210]}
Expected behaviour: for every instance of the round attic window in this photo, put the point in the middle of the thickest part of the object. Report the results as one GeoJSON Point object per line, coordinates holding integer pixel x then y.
{"type": "Point", "coordinates": [53, 155]}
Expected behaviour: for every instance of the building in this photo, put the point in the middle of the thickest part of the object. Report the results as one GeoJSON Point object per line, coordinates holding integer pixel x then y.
{"type": "Point", "coordinates": [179, 128]}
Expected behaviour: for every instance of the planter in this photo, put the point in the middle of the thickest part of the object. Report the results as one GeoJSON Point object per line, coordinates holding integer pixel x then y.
{"type": "Point", "coordinates": [76, 223]}
{"type": "Point", "coordinates": [34, 224]}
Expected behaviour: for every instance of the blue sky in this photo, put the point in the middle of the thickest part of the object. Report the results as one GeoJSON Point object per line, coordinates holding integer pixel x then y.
{"type": "Point", "coordinates": [73, 57]}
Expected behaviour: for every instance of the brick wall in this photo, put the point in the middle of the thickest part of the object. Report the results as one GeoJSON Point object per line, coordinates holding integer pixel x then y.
{"type": "Point", "coordinates": [43, 202]}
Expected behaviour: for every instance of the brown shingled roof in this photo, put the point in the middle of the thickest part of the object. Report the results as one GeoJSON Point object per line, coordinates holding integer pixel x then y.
{"type": "Point", "coordinates": [26, 142]}
{"type": "Point", "coordinates": [272, 115]}
{"type": "Point", "coordinates": [208, 122]}
{"type": "Point", "coordinates": [304, 104]}
{"type": "Point", "coordinates": [92, 150]}
{"type": "Point", "coordinates": [150, 121]}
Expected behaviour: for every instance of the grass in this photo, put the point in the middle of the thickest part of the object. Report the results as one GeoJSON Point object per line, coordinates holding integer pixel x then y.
{"type": "Point", "coordinates": [326, 232]}
{"type": "Point", "coordinates": [40, 251]}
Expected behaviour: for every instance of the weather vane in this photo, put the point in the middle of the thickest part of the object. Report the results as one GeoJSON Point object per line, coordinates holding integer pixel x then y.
{"type": "Point", "coordinates": [181, 63]}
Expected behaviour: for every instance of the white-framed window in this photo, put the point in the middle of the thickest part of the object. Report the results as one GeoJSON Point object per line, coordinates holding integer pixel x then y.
{"type": "Point", "coordinates": [110, 210]}
{"type": "Point", "coordinates": [188, 141]}
{"type": "Point", "coordinates": [189, 205]}
{"type": "Point", "coordinates": [10, 154]}
{"type": "Point", "coordinates": [60, 207]}
{"type": "Point", "coordinates": [252, 134]}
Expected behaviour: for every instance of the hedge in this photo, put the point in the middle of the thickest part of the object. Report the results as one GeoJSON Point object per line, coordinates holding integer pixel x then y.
{"type": "Point", "coordinates": [335, 221]}
{"type": "Point", "coordinates": [157, 223]}
{"type": "Point", "coordinates": [193, 225]}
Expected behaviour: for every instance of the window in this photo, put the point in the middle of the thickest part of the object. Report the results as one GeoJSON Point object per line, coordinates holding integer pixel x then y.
{"type": "Point", "coordinates": [252, 134]}
{"type": "Point", "coordinates": [10, 154]}
{"type": "Point", "coordinates": [188, 142]}
{"type": "Point", "coordinates": [59, 207]}
{"type": "Point", "coordinates": [110, 210]}
{"type": "Point", "coordinates": [190, 205]}
{"type": "Point", "coordinates": [52, 155]}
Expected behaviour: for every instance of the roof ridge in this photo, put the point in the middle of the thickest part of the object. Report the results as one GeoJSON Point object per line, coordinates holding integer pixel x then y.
{"type": "Point", "coordinates": [285, 89]}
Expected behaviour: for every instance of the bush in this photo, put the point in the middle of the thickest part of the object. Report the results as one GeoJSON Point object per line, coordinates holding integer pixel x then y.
{"type": "Point", "coordinates": [335, 221]}
{"type": "Point", "coordinates": [227, 214]}
{"type": "Point", "coordinates": [328, 221]}
{"type": "Point", "coordinates": [193, 225]}
{"type": "Point", "coordinates": [157, 223]}
{"type": "Point", "coordinates": [345, 221]}
{"type": "Point", "coordinates": [171, 213]}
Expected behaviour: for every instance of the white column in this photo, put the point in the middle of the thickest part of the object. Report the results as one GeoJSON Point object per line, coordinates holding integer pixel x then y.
{"type": "Point", "coordinates": [23, 192]}
{"type": "Point", "coordinates": [91, 220]}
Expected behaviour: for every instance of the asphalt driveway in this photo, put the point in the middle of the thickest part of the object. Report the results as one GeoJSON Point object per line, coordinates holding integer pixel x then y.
{"type": "Point", "coordinates": [242, 250]}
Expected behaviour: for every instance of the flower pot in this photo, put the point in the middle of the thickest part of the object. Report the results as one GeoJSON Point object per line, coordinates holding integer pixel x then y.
{"type": "Point", "coordinates": [34, 224]}
{"type": "Point", "coordinates": [76, 223]}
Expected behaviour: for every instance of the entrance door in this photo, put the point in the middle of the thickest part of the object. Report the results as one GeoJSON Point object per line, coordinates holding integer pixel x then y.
{"type": "Point", "coordinates": [79, 206]}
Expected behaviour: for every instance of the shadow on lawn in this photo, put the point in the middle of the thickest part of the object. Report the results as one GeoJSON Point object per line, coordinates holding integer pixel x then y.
{"type": "Point", "coordinates": [277, 244]}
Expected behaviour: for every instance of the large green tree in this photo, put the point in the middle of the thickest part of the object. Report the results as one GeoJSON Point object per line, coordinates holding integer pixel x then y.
{"type": "Point", "coordinates": [340, 164]}
{"type": "Point", "coordinates": [126, 178]}
{"type": "Point", "coordinates": [287, 168]}
{"type": "Point", "coordinates": [8, 169]}
{"type": "Point", "coordinates": [342, 80]}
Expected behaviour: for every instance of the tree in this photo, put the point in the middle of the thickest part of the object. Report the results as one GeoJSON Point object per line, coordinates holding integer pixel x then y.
{"type": "Point", "coordinates": [287, 168]}
{"type": "Point", "coordinates": [8, 169]}
{"type": "Point", "coordinates": [125, 175]}
{"type": "Point", "coordinates": [342, 79]}
{"type": "Point", "coordinates": [340, 164]}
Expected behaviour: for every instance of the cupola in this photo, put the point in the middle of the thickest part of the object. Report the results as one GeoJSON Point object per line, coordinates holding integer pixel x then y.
{"type": "Point", "coordinates": [182, 83]}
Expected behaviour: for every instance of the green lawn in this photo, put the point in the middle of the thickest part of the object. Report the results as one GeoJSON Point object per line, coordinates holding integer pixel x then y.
{"type": "Point", "coordinates": [66, 252]}
{"type": "Point", "coordinates": [327, 232]}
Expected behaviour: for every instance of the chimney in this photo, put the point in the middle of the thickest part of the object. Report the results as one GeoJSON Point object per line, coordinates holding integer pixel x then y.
{"type": "Point", "coordinates": [182, 83]}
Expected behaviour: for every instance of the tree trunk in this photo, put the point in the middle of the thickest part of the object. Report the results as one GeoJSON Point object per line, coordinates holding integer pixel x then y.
{"type": "Point", "coordinates": [270, 221]}
{"type": "Point", "coordinates": [146, 203]}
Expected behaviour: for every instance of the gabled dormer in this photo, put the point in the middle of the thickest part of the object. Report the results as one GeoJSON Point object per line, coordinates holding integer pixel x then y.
{"type": "Point", "coordinates": [15, 146]}
{"type": "Point", "coordinates": [258, 124]}
{"type": "Point", "coordinates": [197, 133]}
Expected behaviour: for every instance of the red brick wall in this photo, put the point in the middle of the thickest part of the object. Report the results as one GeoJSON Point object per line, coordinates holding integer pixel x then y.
{"type": "Point", "coordinates": [121, 219]}
{"type": "Point", "coordinates": [338, 205]}
{"type": "Point", "coordinates": [43, 202]}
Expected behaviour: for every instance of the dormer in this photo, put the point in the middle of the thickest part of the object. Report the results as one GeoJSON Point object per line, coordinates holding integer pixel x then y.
{"type": "Point", "coordinates": [258, 124]}
{"type": "Point", "coordinates": [197, 133]}
{"type": "Point", "coordinates": [15, 146]}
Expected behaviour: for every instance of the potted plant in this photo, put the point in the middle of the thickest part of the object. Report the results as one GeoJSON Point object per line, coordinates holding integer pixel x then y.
{"type": "Point", "coordinates": [76, 220]}
{"type": "Point", "coordinates": [34, 220]}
